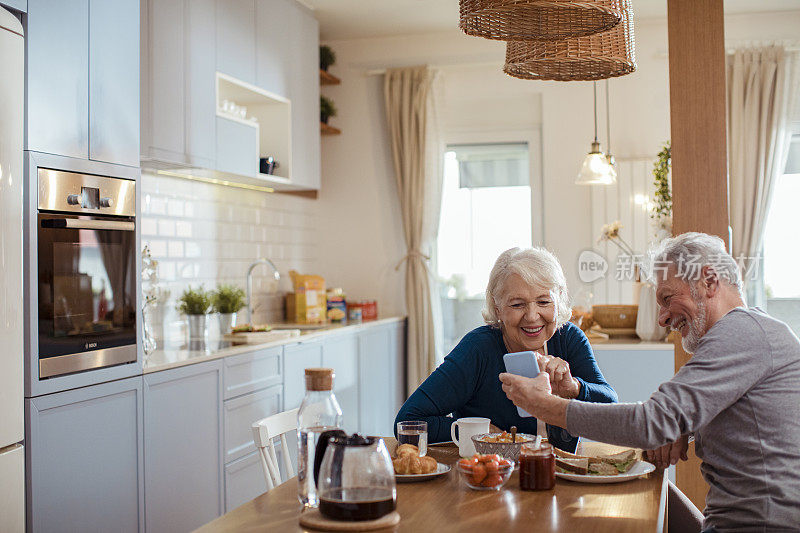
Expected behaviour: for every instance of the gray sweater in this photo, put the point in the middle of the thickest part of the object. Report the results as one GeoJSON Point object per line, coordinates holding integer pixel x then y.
{"type": "Point", "coordinates": [740, 397]}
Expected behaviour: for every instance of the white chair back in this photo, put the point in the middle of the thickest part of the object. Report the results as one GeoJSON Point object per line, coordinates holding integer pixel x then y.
{"type": "Point", "coordinates": [264, 431]}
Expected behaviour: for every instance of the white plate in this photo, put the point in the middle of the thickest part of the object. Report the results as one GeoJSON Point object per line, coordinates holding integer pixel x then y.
{"type": "Point", "coordinates": [639, 469]}
{"type": "Point", "coordinates": [411, 478]}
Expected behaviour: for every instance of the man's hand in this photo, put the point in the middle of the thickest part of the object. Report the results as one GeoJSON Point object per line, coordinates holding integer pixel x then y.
{"type": "Point", "coordinates": [669, 453]}
{"type": "Point", "coordinates": [535, 396]}
{"type": "Point", "coordinates": [561, 380]}
{"type": "Point", "coordinates": [526, 392]}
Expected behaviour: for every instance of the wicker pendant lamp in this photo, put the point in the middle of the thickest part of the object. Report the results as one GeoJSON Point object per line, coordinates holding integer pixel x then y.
{"type": "Point", "coordinates": [600, 56]}
{"type": "Point", "coordinates": [539, 20]}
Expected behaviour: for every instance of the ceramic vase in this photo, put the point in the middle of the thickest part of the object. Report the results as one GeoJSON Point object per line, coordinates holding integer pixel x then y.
{"type": "Point", "coordinates": [647, 327]}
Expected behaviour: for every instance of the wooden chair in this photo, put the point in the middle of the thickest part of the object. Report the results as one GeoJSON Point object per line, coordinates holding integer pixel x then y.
{"type": "Point", "coordinates": [264, 431]}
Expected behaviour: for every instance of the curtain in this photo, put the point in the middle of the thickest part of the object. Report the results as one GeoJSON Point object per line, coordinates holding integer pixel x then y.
{"type": "Point", "coordinates": [760, 86]}
{"type": "Point", "coordinates": [409, 96]}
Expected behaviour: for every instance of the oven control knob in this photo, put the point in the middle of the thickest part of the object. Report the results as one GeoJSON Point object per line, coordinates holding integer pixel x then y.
{"type": "Point", "coordinates": [74, 199]}
{"type": "Point", "coordinates": [106, 202]}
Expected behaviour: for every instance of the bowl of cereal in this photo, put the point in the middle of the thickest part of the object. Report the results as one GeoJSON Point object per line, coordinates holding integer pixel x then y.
{"type": "Point", "coordinates": [502, 444]}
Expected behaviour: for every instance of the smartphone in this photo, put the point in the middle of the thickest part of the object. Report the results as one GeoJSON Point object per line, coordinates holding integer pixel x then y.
{"type": "Point", "coordinates": [522, 364]}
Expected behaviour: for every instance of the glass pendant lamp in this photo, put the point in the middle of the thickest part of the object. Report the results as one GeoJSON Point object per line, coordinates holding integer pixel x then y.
{"type": "Point", "coordinates": [596, 169]}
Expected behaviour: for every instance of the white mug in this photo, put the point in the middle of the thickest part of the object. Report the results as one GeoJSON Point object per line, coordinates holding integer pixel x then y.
{"type": "Point", "coordinates": [467, 428]}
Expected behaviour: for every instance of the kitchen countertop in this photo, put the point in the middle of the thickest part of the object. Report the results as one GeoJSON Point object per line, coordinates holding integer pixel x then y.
{"type": "Point", "coordinates": [190, 353]}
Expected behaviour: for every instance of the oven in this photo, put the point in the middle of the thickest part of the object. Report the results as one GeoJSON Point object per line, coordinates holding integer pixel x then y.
{"type": "Point", "coordinates": [86, 272]}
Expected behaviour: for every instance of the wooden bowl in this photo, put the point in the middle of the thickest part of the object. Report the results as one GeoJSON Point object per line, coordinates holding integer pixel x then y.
{"type": "Point", "coordinates": [615, 316]}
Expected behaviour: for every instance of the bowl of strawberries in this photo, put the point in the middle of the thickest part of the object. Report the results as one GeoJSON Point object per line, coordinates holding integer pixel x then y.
{"type": "Point", "coordinates": [485, 471]}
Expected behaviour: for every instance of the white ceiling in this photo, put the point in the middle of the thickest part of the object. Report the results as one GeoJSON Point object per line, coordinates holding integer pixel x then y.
{"type": "Point", "coordinates": [354, 19]}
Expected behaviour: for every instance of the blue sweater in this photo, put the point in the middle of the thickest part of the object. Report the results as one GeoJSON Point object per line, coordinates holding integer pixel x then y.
{"type": "Point", "coordinates": [467, 384]}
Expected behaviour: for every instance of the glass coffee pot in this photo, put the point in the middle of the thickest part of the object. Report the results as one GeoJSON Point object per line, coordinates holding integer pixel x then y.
{"type": "Point", "coordinates": [355, 480]}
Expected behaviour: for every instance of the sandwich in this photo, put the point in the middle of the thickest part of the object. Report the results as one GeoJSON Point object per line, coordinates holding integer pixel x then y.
{"type": "Point", "coordinates": [572, 466]}
{"type": "Point", "coordinates": [622, 461]}
{"type": "Point", "coordinates": [601, 465]}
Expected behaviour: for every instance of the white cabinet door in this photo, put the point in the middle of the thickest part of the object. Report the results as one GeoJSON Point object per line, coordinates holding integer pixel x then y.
{"type": "Point", "coordinates": [304, 94]}
{"type": "Point", "coordinates": [340, 352]}
{"type": "Point", "coordinates": [296, 359]}
{"type": "Point", "coordinates": [651, 368]}
{"type": "Point", "coordinates": [236, 39]}
{"type": "Point", "coordinates": [163, 61]}
{"type": "Point", "coordinates": [273, 45]}
{"type": "Point", "coordinates": [201, 96]}
{"type": "Point", "coordinates": [85, 457]}
{"type": "Point", "coordinates": [57, 88]}
{"type": "Point", "coordinates": [241, 412]}
{"type": "Point", "coordinates": [183, 447]}
{"type": "Point", "coordinates": [376, 378]}
{"type": "Point", "coordinates": [244, 480]}
{"type": "Point", "coordinates": [114, 81]}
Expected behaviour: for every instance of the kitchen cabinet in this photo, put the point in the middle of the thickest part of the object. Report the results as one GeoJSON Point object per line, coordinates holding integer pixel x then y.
{"type": "Point", "coordinates": [183, 432]}
{"type": "Point", "coordinates": [57, 77]}
{"type": "Point", "coordinates": [304, 94]}
{"type": "Point", "coordinates": [178, 83]}
{"type": "Point", "coordinates": [85, 459]}
{"type": "Point", "coordinates": [236, 39]}
{"type": "Point", "coordinates": [81, 79]}
{"type": "Point", "coordinates": [340, 352]}
{"type": "Point", "coordinates": [240, 413]}
{"type": "Point", "coordinates": [256, 46]}
{"type": "Point", "coordinates": [652, 367]}
{"type": "Point", "coordinates": [114, 81]}
{"type": "Point", "coordinates": [296, 358]}
{"type": "Point", "coordinates": [381, 377]}
{"type": "Point", "coordinates": [244, 480]}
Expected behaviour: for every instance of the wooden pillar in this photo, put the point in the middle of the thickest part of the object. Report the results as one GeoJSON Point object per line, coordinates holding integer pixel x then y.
{"type": "Point", "coordinates": [699, 162]}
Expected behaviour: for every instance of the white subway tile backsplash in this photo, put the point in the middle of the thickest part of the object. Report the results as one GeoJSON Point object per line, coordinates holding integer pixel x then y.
{"type": "Point", "coordinates": [183, 228]}
{"type": "Point", "coordinates": [149, 226]}
{"type": "Point", "coordinates": [208, 234]}
{"type": "Point", "coordinates": [166, 227]}
{"type": "Point", "coordinates": [175, 208]}
{"type": "Point", "coordinates": [175, 249]}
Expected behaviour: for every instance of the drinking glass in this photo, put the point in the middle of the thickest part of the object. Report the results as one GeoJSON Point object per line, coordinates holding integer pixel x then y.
{"type": "Point", "coordinates": [414, 432]}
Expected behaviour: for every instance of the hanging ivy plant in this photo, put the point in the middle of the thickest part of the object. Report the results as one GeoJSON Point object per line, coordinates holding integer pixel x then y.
{"type": "Point", "coordinates": [662, 207]}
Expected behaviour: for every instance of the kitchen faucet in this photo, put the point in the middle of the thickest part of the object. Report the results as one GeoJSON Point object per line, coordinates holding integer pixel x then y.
{"type": "Point", "coordinates": [275, 274]}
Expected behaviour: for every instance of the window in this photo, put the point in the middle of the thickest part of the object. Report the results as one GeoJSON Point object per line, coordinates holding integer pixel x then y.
{"type": "Point", "coordinates": [486, 209]}
{"type": "Point", "coordinates": [781, 255]}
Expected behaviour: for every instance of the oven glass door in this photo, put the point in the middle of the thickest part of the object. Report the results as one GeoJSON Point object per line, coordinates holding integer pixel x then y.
{"type": "Point", "coordinates": [87, 288]}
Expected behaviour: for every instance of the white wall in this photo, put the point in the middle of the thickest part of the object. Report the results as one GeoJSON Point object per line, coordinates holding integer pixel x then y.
{"type": "Point", "coordinates": [361, 236]}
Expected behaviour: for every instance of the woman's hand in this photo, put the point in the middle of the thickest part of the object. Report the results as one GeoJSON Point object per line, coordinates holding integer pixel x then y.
{"type": "Point", "coordinates": [561, 379]}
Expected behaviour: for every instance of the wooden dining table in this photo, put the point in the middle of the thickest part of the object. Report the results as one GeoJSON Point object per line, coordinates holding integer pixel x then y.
{"type": "Point", "coordinates": [445, 503]}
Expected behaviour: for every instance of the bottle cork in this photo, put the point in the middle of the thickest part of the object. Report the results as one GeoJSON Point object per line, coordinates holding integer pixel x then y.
{"type": "Point", "coordinates": [319, 379]}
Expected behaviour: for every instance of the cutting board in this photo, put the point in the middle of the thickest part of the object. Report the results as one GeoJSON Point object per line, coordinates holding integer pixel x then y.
{"type": "Point", "coordinates": [260, 337]}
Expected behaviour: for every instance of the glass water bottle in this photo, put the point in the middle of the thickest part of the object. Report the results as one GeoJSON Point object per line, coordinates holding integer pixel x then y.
{"type": "Point", "coordinates": [319, 412]}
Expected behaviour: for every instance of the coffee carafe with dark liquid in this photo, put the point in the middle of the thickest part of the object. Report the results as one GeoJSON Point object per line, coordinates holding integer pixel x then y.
{"type": "Point", "coordinates": [355, 480]}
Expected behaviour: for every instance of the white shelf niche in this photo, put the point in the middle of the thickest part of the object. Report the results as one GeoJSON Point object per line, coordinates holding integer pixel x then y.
{"type": "Point", "coordinates": [273, 129]}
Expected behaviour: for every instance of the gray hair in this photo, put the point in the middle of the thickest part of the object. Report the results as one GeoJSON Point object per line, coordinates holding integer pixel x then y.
{"type": "Point", "coordinates": [538, 267]}
{"type": "Point", "coordinates": [689, 253]}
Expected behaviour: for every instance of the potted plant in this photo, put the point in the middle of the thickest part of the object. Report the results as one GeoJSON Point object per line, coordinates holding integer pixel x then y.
{"type": "Point", "coordinates": [326, 109]}
{"type": "Point", "coordinates": [194, 303]}
{"type": "Point", "coordinates": [326, 57]}
{"type": "Point", "coordinates": [226, 301]}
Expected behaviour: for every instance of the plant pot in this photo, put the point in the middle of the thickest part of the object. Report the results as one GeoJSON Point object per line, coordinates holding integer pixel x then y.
{"type": "Point", "coordinates": [198, 326]}
{"type": "Point", "coordinates": [226, 322]}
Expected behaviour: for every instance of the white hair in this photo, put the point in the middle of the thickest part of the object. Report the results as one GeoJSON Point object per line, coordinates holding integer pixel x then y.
{"type": "Point", "coordinates": [539, 268]}
{"type": "Point", "coordinates": [688, 253]}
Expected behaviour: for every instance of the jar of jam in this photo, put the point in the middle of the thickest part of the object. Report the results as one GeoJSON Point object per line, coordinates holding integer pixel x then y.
{"type": "Point", "coordinates": [537, 467]}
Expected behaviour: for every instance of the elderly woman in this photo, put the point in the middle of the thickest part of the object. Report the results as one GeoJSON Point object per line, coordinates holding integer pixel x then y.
{"type": "Point", "coordinates": [527, 308]}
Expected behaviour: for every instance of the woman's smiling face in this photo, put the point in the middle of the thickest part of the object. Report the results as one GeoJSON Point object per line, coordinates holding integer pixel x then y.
{"type": "Point", "coordinates": [527, 314]}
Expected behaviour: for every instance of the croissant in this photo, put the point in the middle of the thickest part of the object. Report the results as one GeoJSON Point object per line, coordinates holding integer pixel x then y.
{"type": "Point", "coordinates": [406, 449]}
{"type": "Point", "coordinates": [413, 464]}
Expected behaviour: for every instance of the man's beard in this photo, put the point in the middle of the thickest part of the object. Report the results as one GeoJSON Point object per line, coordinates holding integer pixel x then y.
{"type": "Point", "coordinates": [697, 326]}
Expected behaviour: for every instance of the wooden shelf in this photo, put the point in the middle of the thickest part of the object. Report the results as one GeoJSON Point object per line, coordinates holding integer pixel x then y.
{"type": "Point", "coordinates": [325, 129]}
{"type": "Point", "coordinates": [326, 78]}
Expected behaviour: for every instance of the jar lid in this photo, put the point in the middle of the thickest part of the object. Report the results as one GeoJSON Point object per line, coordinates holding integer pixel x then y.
{"type": "Point", "coordinates": [353, 440]}
{"type": "Point", "coordinates": [319, 379]}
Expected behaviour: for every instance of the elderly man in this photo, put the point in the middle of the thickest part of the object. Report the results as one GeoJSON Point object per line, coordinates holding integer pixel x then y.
{"type": "Point", "coordinates": [739, 395]}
